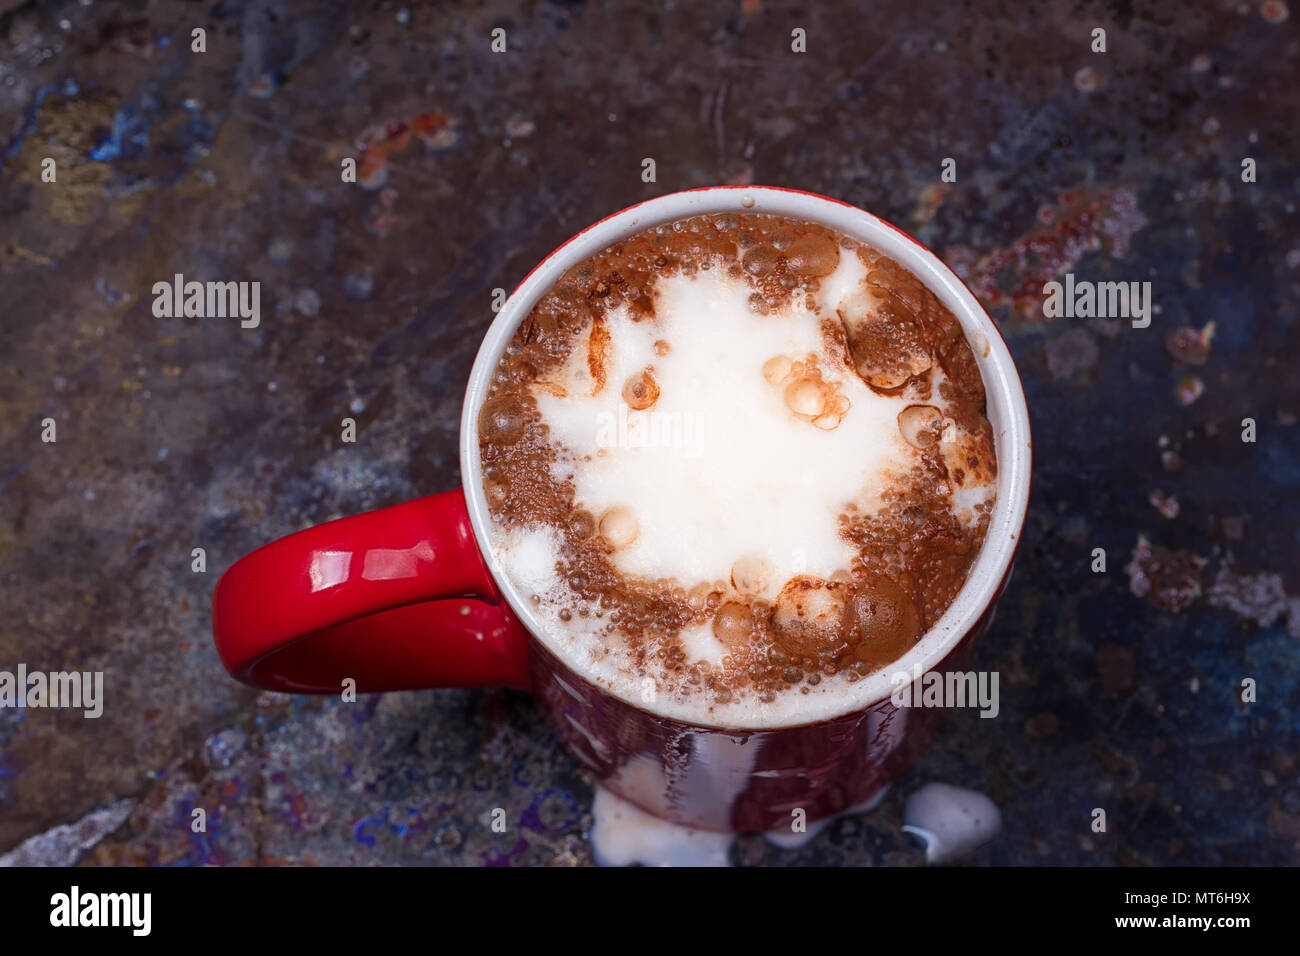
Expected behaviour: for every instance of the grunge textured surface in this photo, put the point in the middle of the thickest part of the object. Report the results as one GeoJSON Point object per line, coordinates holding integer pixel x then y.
{"type": "Point", "coordinates": [1120, 689]}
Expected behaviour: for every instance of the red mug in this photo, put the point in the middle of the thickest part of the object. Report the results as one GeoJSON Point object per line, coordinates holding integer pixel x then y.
{"type": "Point", "coordinates": [410, 597]}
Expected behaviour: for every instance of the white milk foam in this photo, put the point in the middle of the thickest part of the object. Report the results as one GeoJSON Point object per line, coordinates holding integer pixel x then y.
{"type": "Point", "coordinates": [716, 470]}
{"type": "Point", "coordinates": [731, 471]}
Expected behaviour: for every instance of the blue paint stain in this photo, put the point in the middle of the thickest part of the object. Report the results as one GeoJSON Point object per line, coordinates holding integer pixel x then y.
{"type": "Point", "coordinates": [359, 831]}
{"type": "Point", "coordinates": [128, 137]}
{"type": "Point", "coordinates": [414, 823]}
{"type": "Point", "coordinates": [401, 829]}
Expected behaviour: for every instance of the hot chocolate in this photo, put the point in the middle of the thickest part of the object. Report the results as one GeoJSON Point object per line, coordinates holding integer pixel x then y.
{"type": "Point", "coordinates": [734, 461]}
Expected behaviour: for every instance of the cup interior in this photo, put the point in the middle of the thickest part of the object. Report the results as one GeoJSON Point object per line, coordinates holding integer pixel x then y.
{"type": "Point", "coordinates": [1006, 410]}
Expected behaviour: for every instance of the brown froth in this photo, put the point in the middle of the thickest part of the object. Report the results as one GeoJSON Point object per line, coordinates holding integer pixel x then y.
{"type": "Point", "coordinates": [912, 554]}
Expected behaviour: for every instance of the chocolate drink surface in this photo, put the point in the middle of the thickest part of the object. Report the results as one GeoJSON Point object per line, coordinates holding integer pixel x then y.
{"type": "Point", "coordinates": [736, 463]}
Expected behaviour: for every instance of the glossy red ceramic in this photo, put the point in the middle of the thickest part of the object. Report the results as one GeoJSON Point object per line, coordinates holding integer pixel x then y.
{"type": "Point", "coordinates": [395, 599]}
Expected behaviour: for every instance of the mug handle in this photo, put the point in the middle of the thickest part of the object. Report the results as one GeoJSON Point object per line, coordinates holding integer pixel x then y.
{"type": "Point", "coordinates": [395, 599]}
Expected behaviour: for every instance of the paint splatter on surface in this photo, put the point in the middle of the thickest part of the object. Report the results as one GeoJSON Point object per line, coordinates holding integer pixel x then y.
{"type": "Point", "coordinates": [1168, 578]}
{"type": "Point", "coordinates": [64, 845]}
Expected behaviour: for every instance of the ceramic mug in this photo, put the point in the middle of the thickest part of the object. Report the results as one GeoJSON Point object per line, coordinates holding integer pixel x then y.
{"type": "Point", "coordinates": [409, 597]}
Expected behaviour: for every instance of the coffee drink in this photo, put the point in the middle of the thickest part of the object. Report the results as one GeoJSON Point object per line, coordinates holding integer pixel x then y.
{"type": "Point", "coordinates": [734, 462]}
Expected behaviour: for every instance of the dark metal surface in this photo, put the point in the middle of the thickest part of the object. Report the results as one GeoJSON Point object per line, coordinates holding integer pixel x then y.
{"type": "Point", "coordinates": [1120, 690]}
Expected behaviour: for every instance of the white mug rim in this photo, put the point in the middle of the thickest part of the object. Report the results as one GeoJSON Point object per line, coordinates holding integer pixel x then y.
{"type": "Point", "coordinates": [1007, 412]}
